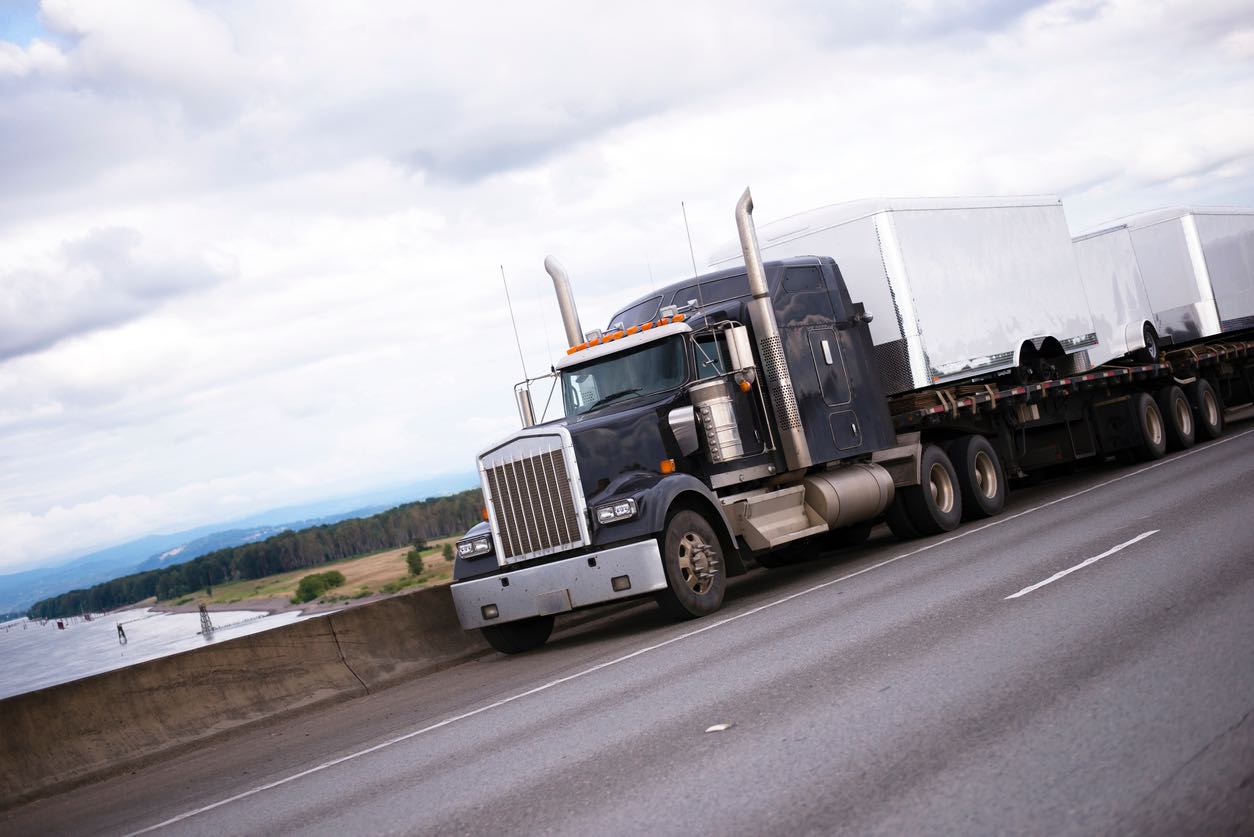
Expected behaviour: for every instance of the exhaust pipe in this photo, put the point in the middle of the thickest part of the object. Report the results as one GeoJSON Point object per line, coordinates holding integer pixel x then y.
{"type": "Point", "coordinates": [766, 330]}
{"type": "Point", "coordinates": [565, 300]}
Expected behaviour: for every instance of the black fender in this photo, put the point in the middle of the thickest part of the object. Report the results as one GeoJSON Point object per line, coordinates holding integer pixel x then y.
{"type": "Point", "coordinates": [483, 565]}
{"type": "Point", "coordinates": [688, 491]}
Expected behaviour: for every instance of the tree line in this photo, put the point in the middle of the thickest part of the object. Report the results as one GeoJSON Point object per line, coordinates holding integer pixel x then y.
{"type": "Point", "coordinates": [286, 551]}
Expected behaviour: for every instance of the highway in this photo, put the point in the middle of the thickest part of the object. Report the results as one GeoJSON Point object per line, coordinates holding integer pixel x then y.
{"type": "Point", "coordinates": [962, 684]}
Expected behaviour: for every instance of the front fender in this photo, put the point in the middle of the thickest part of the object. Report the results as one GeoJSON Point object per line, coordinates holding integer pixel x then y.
{"type": "Point", "coordinates": [654, 500]}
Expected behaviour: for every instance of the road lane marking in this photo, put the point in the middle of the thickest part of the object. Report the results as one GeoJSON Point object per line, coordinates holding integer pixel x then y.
{"type": "Point", "coordinates": [1087, 561]}
{"type": "Point", "coordinates": [1001, 519]}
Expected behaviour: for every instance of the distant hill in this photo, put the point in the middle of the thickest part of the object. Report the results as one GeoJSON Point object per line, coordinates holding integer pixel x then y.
{"type": "Point", "coordinates": [238, 537]}
{"type": "Point", "coordinates": [18, 591]}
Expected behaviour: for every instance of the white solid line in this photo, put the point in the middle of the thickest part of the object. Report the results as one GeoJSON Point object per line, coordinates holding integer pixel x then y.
{"type": "Point", "coordinates": [687, 635]}
{"type": "Point", "coordinates": [1038, 585]}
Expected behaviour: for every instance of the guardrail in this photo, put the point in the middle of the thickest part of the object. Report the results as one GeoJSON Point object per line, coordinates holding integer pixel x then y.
{"type": "Point", "coordinates": [79, 731]}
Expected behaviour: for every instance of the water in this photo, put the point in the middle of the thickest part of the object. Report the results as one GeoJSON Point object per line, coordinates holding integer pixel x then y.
{"type": "Point", "coordinates": [33, 656]}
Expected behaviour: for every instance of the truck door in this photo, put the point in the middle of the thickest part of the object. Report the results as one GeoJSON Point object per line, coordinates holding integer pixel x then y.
{"type": "Point", "coordinates": [829, 363]}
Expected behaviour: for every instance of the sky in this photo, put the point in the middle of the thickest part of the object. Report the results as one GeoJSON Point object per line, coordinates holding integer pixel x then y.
{"type": "Point", "coordinates": [251, 251]}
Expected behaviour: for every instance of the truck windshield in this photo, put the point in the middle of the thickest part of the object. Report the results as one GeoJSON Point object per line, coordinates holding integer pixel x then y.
{"type": "Point", "coordinates": [654, 367]}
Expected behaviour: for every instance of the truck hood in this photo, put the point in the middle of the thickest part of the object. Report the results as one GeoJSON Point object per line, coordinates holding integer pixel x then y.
{"type": "Point", "coordinates": [621, 447]}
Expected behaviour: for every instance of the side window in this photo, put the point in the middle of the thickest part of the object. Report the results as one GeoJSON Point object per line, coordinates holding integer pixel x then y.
{"type": "Point", "coordinates": [581, 390]}
{"type": "Point", "coordinates": [803, 279]}
{"type": "Point", "coordinates": [684, 295]}
{"type": "Point", "coordinates": [712, 358]}
{"type": "Point", "coordinates": [642, 312]}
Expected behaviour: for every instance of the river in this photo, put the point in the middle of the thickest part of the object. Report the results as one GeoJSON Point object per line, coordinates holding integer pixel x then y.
{"type": "Point", "coordinates": [33, 656]}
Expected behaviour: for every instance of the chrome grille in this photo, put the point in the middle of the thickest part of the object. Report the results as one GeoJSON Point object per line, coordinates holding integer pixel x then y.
{"type": "Point", "coordinates": [535, 501]}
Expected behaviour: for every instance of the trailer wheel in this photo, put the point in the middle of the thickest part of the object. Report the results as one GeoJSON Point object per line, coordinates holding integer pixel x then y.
{"type": "Point", "coordinates": [980, 476]}
{"type": "Point", "coordinates": [935, 506]}
{"type": "Point", "coordinates": [1149, 354]}
{"type": "Point", "coordinates": [520, 636]}
{"type": "Point", "coordinates": [1209, 409]}
{"type": "Point", "coordinates": [695, 571]}
{"type": "Point", "coordinates": [1178, 416]}
{"type": "Point", "coordinates": [1153, 429]}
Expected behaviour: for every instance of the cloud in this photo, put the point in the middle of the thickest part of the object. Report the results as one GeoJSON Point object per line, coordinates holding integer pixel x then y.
{"type": "Point", "coordinates": [103, 279]}
{"type": "Point", "coordinates": [252, 258]}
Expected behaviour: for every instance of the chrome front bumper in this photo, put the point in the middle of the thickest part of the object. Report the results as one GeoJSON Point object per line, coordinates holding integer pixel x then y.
{"type": "Point", "coordinates": [560, 586]}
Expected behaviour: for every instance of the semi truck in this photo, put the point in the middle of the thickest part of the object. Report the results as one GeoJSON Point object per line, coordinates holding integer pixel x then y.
{"type": "Point", "coordinates": [767, 410]}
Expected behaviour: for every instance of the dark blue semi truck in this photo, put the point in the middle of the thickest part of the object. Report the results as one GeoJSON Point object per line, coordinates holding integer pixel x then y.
{"type": "Point", "coordinates": [741, 418]}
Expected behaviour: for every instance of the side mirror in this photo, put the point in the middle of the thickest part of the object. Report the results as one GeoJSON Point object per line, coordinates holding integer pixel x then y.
{"type": "Point", "coordinates": [740, 348]}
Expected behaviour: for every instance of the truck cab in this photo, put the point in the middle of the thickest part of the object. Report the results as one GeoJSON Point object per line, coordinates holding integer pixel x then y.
{"type": "Point", "coordinates": [676, 459]}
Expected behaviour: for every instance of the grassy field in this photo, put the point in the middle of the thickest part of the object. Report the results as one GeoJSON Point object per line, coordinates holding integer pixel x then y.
{"type": "Point", "coordinates": [365, 575]}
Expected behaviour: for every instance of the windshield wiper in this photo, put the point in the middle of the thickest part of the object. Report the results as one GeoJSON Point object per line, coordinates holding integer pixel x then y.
{"type": "Point", "coordinates": [614, 396]}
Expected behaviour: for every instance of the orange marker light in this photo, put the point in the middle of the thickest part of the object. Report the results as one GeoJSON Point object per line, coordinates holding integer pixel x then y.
{"type": "Point", "coordinates": [678, 318]}
{"type": "Point", "coordinates": [667, 466]}
{"type": "Point", "coordinates": [745, 386]}
{"type": "Point", "coordinates": [633, 330]}
{"type": "Point", "coordinates": [664, 321]}
{"type": "Point", "coordinates": [484, 512]}
{"type": "Point", "coordinates": [646, 326]}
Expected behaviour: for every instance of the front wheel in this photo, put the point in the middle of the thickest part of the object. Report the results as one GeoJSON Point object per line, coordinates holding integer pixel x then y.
{"type": "Point", "coordinates": [695, 571]}
{"type": "Point", "coordinates": [520, 636]}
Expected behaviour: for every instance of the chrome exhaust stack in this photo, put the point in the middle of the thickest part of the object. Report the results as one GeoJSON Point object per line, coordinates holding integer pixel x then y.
{"type": "Point", "coordinates": [766, 331]}
{"type": "Point", "coordinates": [565, 300]}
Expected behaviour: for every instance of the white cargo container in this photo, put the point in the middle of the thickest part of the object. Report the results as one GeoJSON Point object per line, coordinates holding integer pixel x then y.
{"type": "Point", "coordinates": [1116, 293]}
{"type": "Point", "coordinates": [957, 286]}
{"type": "Point", "coordinates": [1189, 273]}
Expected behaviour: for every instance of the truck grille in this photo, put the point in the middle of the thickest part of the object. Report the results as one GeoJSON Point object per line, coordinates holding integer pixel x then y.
{"type": "Point", "coordinates": [532, 497]}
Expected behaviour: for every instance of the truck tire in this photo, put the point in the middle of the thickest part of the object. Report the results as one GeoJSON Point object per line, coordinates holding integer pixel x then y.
{"type": "Point", "coordinates": [696, 574]}
{"type": "Point", "coordinates": [1152, 428]}
{"type": "Point", "coordinates": [1208, 410]}
{"type": "Point", "coordinates": [980, 477]}
{"type": "Point", "coordinates": [898, 519]}
{"type": "Point", "coordinates": [1177, 416]}
{"type": "Point", "coordinates": [935, 506]}
{"type": "Point", "coordinates": [520, 636]}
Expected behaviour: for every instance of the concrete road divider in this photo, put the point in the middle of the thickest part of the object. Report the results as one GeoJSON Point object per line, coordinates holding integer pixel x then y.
{"type": "Point", "coordinates": [75, 731]}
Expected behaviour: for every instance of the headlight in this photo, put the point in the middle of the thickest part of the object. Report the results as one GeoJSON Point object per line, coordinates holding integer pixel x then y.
{"type": "Point", "coordinates": [614, 512]}
{"type": "Point", "coordinates": [474, 547]}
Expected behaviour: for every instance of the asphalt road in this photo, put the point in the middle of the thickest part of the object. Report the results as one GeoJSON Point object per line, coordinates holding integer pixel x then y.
{"type": "Point", "coordinates": [900, 689]}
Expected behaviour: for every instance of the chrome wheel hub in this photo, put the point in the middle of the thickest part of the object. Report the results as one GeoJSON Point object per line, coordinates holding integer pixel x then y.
{"type": "Point", "coordinates": [698, 563]}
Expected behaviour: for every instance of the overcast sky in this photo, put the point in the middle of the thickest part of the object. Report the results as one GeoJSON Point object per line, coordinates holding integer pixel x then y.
{"type": "Point", "coordinates": [249, 249]}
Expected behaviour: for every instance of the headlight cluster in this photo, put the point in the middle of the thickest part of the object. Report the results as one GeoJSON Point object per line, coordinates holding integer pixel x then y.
{"type": "Point", "coordinates": [614, 512]}
{"type": "Point", "coordinates": [474, 547]}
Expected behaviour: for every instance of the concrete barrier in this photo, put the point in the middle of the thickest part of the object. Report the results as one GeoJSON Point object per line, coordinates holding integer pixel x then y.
{"type": "Point", "coordinates": [67, 734]}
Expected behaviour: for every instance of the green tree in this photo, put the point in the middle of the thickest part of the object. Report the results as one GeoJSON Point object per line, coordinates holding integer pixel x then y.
{"type": "Point", "coordinates": [312, 586]}
{"type": "Point", "coordinates": [414, 560]}
{"type": "Point", "coordinates": [448, 552]}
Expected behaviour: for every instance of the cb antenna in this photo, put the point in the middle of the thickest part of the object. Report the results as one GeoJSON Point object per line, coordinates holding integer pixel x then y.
{"type": "Point", "coordinates": [514, 323]}
{"type": "Point", "coordinates": [692, 255]}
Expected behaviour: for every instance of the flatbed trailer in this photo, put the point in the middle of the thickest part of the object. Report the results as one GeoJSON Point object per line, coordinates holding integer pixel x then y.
{"type": "Point", "coordinates": [1129, 410]}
